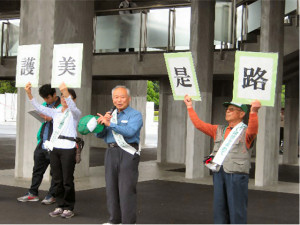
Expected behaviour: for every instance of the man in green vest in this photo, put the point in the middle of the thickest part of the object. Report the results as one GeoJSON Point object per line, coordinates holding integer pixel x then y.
{"type": "Point", "coordinates": [230, 160]}
{"type": "Point", "coordinates": [41, 155]}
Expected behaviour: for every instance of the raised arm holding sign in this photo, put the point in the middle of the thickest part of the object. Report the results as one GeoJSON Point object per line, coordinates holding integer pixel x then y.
{"type": "Point", "coordinates": [62, 148]}
{"type": "Point", "coordinates": [230, 159]}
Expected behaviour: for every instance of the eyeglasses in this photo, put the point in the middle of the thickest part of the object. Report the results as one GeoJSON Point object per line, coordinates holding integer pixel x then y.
{"type": "Point", "coordinates": [231, 109]}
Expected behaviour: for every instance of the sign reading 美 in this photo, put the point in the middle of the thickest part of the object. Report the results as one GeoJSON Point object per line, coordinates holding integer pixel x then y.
{"type": "Point", "coordinates": [67, 65]}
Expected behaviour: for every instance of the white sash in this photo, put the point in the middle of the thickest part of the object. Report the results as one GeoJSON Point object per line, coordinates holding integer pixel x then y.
{"type": "Point", "coordinates": [226, 146]}
{"type": "Point", "coordinates": [120, 139]}
{"type": "Point", "coordinates": [57, 130]}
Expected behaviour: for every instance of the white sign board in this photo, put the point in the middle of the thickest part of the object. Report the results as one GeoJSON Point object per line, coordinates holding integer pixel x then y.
{"type": "Point", "coordinates": [67, 65]}
{"type": "Point", "coordinates": [255, 77]}
{"type": "Point", "coordinates": [182, 75]}
{"type": "Point", "coordinates": [28, 65]}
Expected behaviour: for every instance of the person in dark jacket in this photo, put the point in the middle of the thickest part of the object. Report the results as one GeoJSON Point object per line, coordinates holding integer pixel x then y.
{"type": "Point", "coordinates": [41, 155]}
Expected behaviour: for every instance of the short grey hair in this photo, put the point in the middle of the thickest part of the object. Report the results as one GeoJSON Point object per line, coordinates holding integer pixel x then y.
{"type": "Point", "coordinates": [120, 86]}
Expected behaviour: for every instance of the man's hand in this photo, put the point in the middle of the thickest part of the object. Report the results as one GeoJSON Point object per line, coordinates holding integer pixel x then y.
{"type": "Point", "coordinates": [255, 106]}
{"type": "Point", "coordinates": [108, 116]}
{"type": "Point", "coordinates": [64, 90]}
{"type": "Point", "coordinates": [103, 120]}
{"type": "Point", "coordinates": [188, 101]}
{"type": "Point", "coordinates": [28, 90]}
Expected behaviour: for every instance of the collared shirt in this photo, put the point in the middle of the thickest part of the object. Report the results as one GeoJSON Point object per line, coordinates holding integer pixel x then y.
{"type": "Point", "coordinates": [70, 129]}
{"type": "Point", "coordinates": [130, 122]}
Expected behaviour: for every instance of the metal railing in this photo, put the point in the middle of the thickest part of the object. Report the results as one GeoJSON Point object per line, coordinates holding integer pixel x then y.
{"type": "Point", "coordinates": [4, 35]}
{"type": "Point", "coordinates": [171, 27]}
{"type": "Point", "coordinates": [9, 38]}
{"type": "Point", "coordinates": [143, 29]}
{"type": "Point", "coordinates": [238, 28]}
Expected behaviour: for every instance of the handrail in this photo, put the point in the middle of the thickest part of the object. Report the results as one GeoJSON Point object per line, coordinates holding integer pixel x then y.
{"type": "Point", "coordinates": [7, 39]}
{"type": "Point", "coordinates": [173, 29]}
{"type": "Point", "coordinates": [2, 42]}
{"type": "Point", "coordinates": [141, 33]}
{"type": "Point", "coordinates": [144, 8]}
{"type": "Point", "coordinates": [169, 31]}
{"type": "Point", "coordinates": [233, 28]}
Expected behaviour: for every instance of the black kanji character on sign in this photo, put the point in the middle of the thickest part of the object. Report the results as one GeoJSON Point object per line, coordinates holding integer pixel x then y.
{"type": "Point", "coordinates": [27, 66]}
{"type": "Point", "coordinates": [182, 77]}
{"type": "Point", "coordinates": [67, 66]}
{"type": "Point", "coordinates": [254, 79]}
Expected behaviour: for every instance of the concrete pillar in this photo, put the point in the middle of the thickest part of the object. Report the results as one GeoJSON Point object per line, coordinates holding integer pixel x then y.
{"type": "Point", "coordinates": [291, 122]}
{"type": "Point", "coordinates": [48, 23]}
{"type": "Point", "coordinates": [202, 47]}
{"type": "Point", "coordinates": [222, 92]}
{"type": "Point", "coordinates": [164, 92]}
{"type": "Point", "coordinates": [172, 126]}
{"type": "Point", "coordinates": [102, 102]}
{"type": "Point", "coordinates": [267, 147]}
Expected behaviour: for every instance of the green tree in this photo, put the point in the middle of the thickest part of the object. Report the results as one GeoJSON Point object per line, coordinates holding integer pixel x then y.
{"type": "Point", "coordinates": [7, 86]}
{"type": "Point", "coordinates": [153, 93]}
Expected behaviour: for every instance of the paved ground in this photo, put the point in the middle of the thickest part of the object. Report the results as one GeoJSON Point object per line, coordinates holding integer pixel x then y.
{"type": "Point", "coordinates": [160, 199]}
{"type": "Point", "coordinates": [159, 202]}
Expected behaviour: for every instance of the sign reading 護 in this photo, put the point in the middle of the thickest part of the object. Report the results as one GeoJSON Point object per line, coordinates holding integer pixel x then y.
{"type": "Point", "coordinates": [67, 65]}
{"type": "Point", "coordinates": [182, 75]}
{"type": "Point", "coordinates": [28, 65]}
{"type": "Point", "coordinates": [255, 77]}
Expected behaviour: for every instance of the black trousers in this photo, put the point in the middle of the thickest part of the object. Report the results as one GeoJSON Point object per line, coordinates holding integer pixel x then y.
{"type": "Point", "coordinates": [41, 159]}
{"type": "Point", "coordinates": [62, 162]}
{"type": "Point", "coordinates": [121, 176]}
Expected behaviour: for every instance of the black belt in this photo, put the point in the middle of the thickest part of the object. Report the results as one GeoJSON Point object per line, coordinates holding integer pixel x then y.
{"type": "Point", "coordinates": [67, 138]}
{"type": "Point", "coordinates": [113, 145]}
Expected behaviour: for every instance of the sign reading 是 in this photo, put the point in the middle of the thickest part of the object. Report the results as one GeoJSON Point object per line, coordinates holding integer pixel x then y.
{"type": "Point", "coordinates": [28, 65]}
{"type": "Point", "coordinates": [182, 75]}
{"type": "Point", "coordinates": [67, 65]}
{"type": "Point", "coordinates": [255, 77]}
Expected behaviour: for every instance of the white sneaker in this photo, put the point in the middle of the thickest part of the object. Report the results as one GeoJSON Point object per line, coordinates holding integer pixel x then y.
{"type": "Point", "coordinates": [57, 212]}
{"type": "Point", "coordinates": [67, 214]}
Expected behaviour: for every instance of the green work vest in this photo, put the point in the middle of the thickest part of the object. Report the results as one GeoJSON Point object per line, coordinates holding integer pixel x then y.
{"type": "Point", "coordinates": [238, 159]}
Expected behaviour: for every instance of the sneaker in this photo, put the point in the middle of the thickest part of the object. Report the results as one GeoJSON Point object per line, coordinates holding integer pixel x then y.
{"type": "Point", "coordinates": [67, 214]}
{"type": "Point", "coordinates": [56, 212]}
{"type": "Point", "coordinates": [48, 200]}
{"type": "Point", "coordinates": [28, 198]}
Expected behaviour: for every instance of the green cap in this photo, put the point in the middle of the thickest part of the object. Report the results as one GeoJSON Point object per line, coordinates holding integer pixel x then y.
{"type": "Point", "coordinates": [241, 106]}
{"type": "Point", "coordinates": [88, 124]}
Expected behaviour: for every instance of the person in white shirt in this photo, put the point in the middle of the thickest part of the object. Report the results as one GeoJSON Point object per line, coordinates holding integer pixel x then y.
{"type": "Point", "coordinates": [62, 148]}
{"type": "Point", "coordinates": [126, 24]}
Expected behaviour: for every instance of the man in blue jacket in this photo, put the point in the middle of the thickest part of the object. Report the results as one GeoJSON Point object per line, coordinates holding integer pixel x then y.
{"type": "Point", "coordinates": [41, 155]}
{"type": "Point", "coordinates": [122, 134]}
